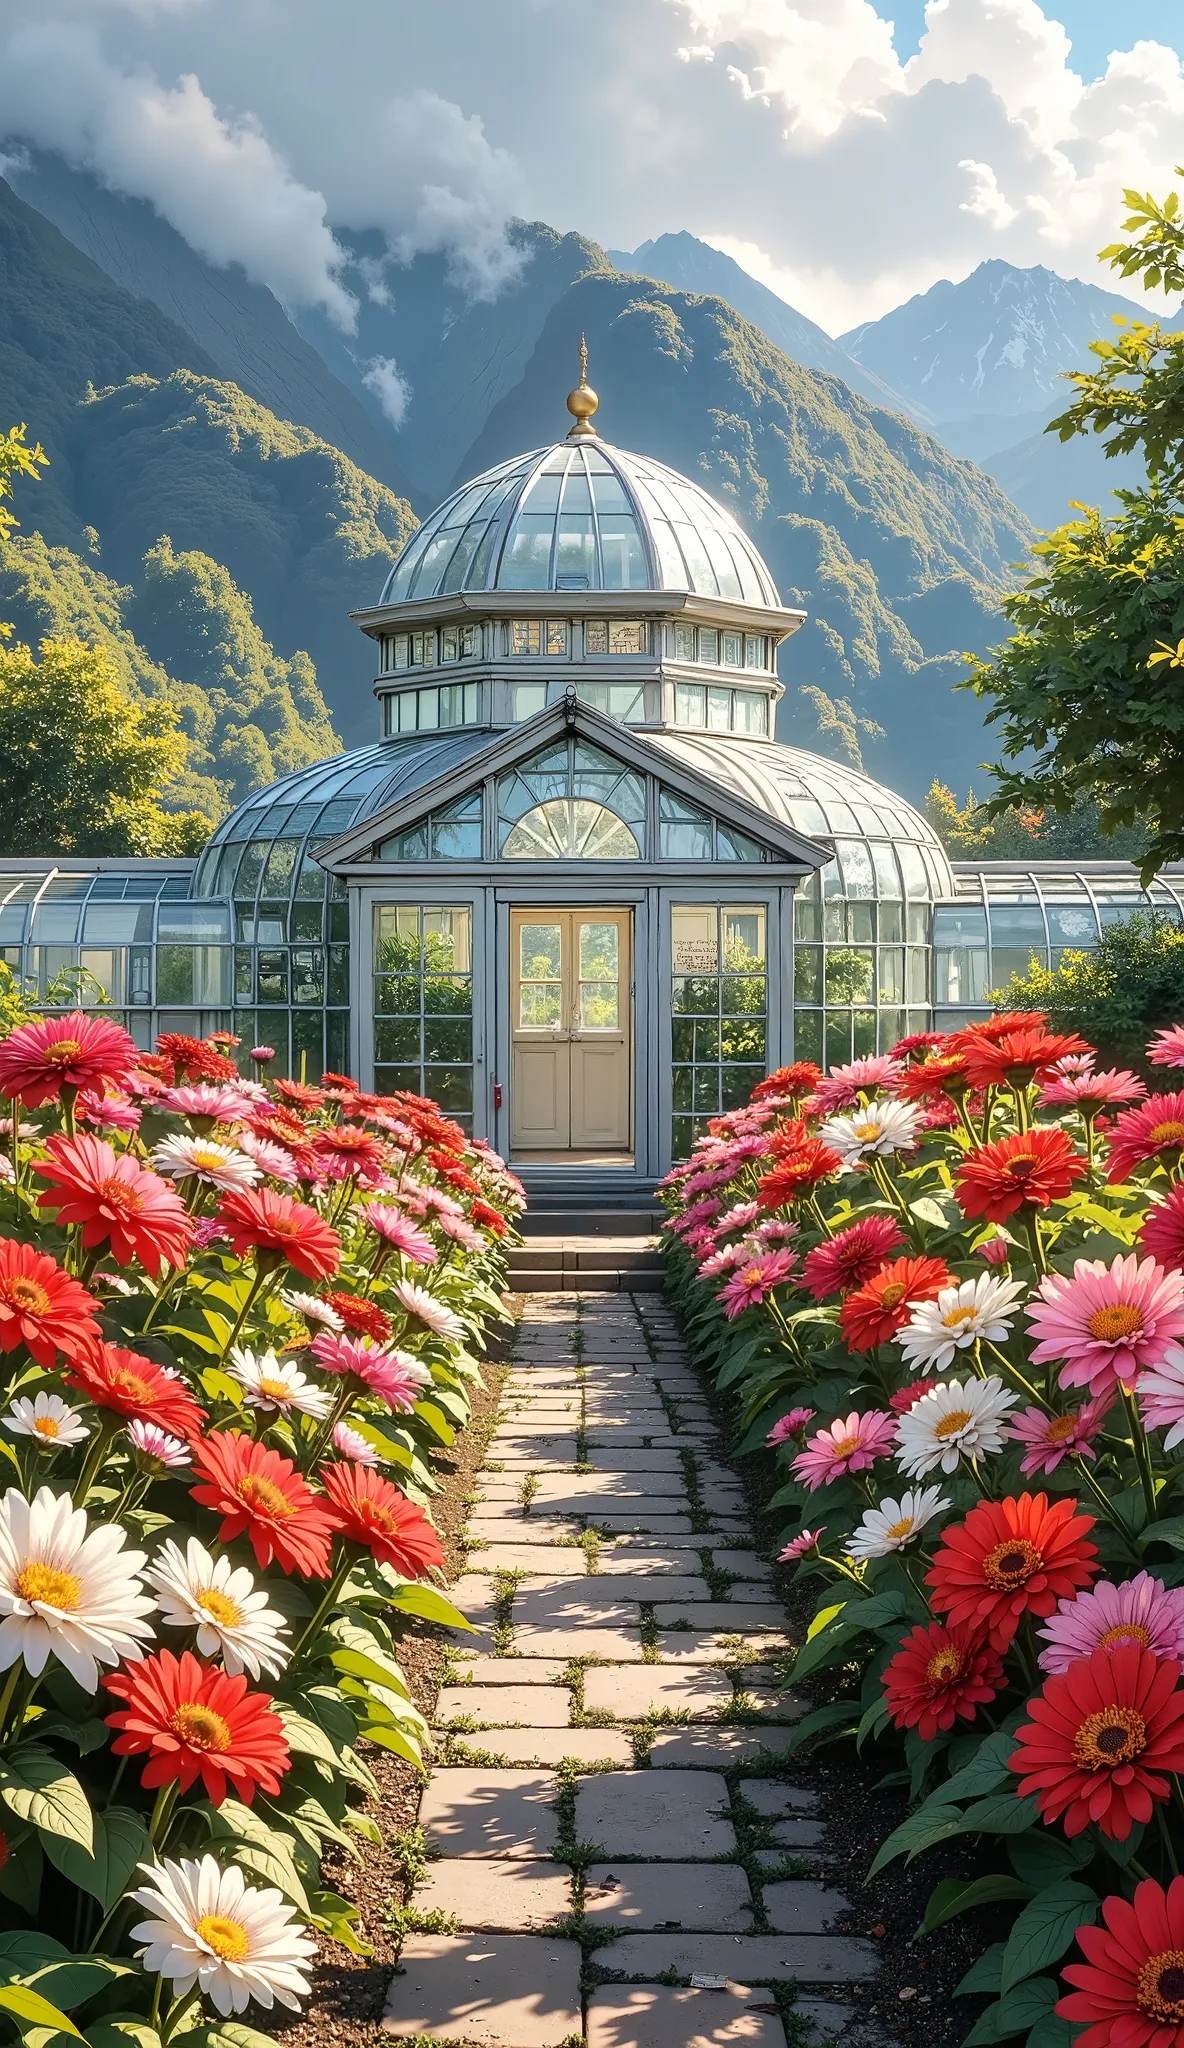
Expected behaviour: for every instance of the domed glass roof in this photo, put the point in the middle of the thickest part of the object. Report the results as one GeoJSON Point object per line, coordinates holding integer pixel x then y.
{"type": "Point", "coordinates": [581, 516]}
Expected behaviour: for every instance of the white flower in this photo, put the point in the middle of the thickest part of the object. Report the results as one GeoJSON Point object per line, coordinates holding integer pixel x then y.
{"type": "Point", "coordinates": [957, 1419]}
{"type": "Point", "coordinates": [204, 1159]}
{"type": "Point", "coordinates": [283, 1387]}
{"type": "Point", "coordinates": [423, 1307]}
{"type": "Point", "coordinates": [212, 1929]}
{"type": "Point", "coordinates": [895, 1523]}
{"type": "Point", "coordinates": [884, 1127]}
{"type": "Point", "coordinates": [156, 1442]}
{"type": "Point", "coordinates": [961, 1315]}
{"type": "Point", "coordinates": [223, 1603]}
{"type": "Point", "coordinates": [66, 1589]}
{"type": "Point", "coordinates": [313, 1309]}
{"type": "Point", "coordinates": [352, 1444]}
{"type": "Point", "coordinates": [47, 1417]}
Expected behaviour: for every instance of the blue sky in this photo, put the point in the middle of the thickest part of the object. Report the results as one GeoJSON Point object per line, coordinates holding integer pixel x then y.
{"type": "Point", "coordinates": [1095, 26]}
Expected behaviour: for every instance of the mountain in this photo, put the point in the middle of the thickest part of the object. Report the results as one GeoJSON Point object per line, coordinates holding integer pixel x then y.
{"type": "Point", "coordinates": [690, 265]}
{"type": "Point", "coordinates": [898, 551]}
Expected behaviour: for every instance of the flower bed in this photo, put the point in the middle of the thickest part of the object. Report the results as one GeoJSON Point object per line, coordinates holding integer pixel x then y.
{"type": "Point", "coordinates": [236, 1320]}
{"type": "Point", "coordinates": [945, 1287]}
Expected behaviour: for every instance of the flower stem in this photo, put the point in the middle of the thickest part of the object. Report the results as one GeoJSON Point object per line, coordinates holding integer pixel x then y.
{"type": "Point", "coordinates": [162, 1814]}
{"type": "Point", "coordinates": [244, 1312]}
{"type": "Point", "coordinates": [10, 1685]}
{"type": "Point", "coordinates": [92, 1463]}
{"type": "Point", "coordinates": [339, 1576]}
{"type": "Point", "coordinates": [1139, 1447]}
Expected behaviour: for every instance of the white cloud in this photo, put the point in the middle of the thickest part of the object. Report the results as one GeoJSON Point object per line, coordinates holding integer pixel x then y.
{"type": "Point", "coordinates": [384, 378]}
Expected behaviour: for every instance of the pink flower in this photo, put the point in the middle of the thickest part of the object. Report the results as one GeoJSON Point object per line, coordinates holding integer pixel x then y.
{"type": "Point", "coordinates": [273, 1160]}
{"type": "Point", "coordinates": [705, 1182]}
{"type": "Point", "coordinates": [749, 1286]}
{"type": "Point", "coordinates": [263, 1053]}
{"type": "Point", "coordinates": [1053, 1437]}
{"type": "Point", "coordinates": [1161, 1396]}
{"type": "Point", "coordinates": [1167, 1047]}
{"type": "Point", "coordinates": [391, 1376]}
{"type": "Point", "coordinates": [206, 1232]}
{"type": "Point", "coordinates": [1108, 1323]}
{"type": "Point", "coordinates": [39, 1060]}
{"type": "Point", "coordinates": [738, 1218]}
{"type": "Point", "coordinates": [400, 1233]}
{"type": "Point", "coordinates": [1141, 1612]}
{"type": "Point", "coordinates": [223, 1102]}
{"type": "Point", "coordinates": [774, 1230]}
{"type": "Point", "coordinates": [460, 1230]}
{"type": "Point", "coordinates": [155, 1442]}
{"type": "Point", "coordinates": [907, 1397]}
{"type": "Point", "coordinates": [807, 1541]}
{"type": "Point", "coordinates": [995, 1250]}
{"type": "Point", "coordinates": [851, 1256]}
{"type": "Point", "coordinates": [353, 1445]}
{"type": "Point", "coordinates": [1153, 1131]}
{"type": "Point", "coordinates": [843, 1085]}
{"type": "Point", "coordinates": [790, 1425]}
{"type": "Point", "coordinates": [108, 1111]}
{"type": "Point", "coordinates": [1161, 1233]}
{"type": "Point", "coordinates": [851, 1444]}
{"type": "Point", "coordinates": [1089, 1091]}
{"type": "Point", "coordinates": [716, 1263]}
{"type": "Point", "coordinates": [705, 1211]}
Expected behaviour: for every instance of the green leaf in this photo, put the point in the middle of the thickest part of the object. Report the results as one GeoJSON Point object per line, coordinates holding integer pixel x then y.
{"type": "Point", "coordinates": [986, 1771]}
{"type": "Point", "coordinates": [429, 1605]}
{"type": "Point", "coordinates": [385, 1735]}
{"type": "Point", "coordinates": [76, 1978]}
{"type": "Point", "coordinates": [1045, 1929]}
{"type": "Point", "coordinates": [367, 1665]}
{"type": "Point", "coordinates": [956, 1895]}
{"type": "Point", "coordinates": [39, 1789]}
{"type": "Point", "coordinates": [1004, 1815]}
{"type": "Point", "coordinates": [835, 1714]}
{"type": "Point", "coordinates": [983, 1975]}
{"type": "Point", "coordinates": [1042, 1859]}
{"type": "Point", "coordinates": [29, 2008]}
{"type": "Point", "coordinates": [304, 1737]}
{"type": "Point", "coordinates": [919, 1831]}
{"type": "Point", "coordinates": [335, 1916]}
{"type": "Point", "coordinates": [1029, 2005]}
{"type": "Point", "coordinates": [21, 1953]}
{"type": "Point", "coordinates": [878, 1612]}
{"type": "Point", "coordinates": [121, 2030]}
{"type": "Point", "coordinates": [120, 1842]}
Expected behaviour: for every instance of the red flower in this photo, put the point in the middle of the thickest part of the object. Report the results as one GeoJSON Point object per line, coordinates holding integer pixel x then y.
{"type": "Point", "coordinates": [116, 1201]}
{"type": "Point", "coordinates": [998, 1026]}
{"type": "Point", "coordinates": [489, 1218]}
{"type": "Point", "coordinates": [1130, 1989]}
{"type": "Point", "coordinates": [1031, 1168]}
{"type": "Point", "coordinates": [938, 1676]}
{"type": "Point", "coordinates": [1100, 1736]}
{"type": "Point", "coordinates": [299, 1094]}
{"type": "Point", "coordinates": [945, 1074]}
{"type": "Point", "coordinates": [339, 1081]}
{"type": "Point", "coordinates": [1161, 1233]}
{"type": "Point", "coordinates": [138, 1388]}
{"type": "Point", "coordinates": [1013, 1059]}
{"type": "Point", "coordinates": [194, 1721]}
{"type": "Point", "coordinates": [883, 1305]}
{"type": "Point", "coordinates": [346, 1151]}
{"type": "Point", "coordinates": [918, 1045]}
{"type": "Point", "coordinates": [851, 1257]}
{"type": "Point", "coordinates": [363, 1316]}
{"type": "Point", "coordinates": [195, 1059]}
{"type": "Point", "coordinates": [288, 1131]}
{"type": "Point", "coordinates": [41, 1307]}
{"type": "Point", "coordinates": [907, 1397]}
{"type": "Point", "coordinates": [276, 1229]}
{"type": "Point", "coordinates": [1010, 1558]}
{"type": "Point", "coordinates": [367, 1509]}
{"type": "Point", "coordinates": [801, 1078]}
{"type": "Point", "coordinates": [257, 1491]}
{"type": "Point", "coordinates": [449, 1169]}
{"type": "Point", "coordinates": [1154, 1130]}
{"type": "Point", "coordinates": [800, 1164]}
{"type": "Point", "coordinates": [38, 1060]}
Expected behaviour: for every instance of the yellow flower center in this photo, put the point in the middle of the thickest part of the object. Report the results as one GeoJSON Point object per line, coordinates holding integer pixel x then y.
{"type": "Point", "coordinates": [944, 1666]}
{"type": "Point", "coordinates": [1109, 1325]}
{"type": "Point", "coordinates": [50, 1588]}
{"type": "Point", "coordinates": [867, 1133]}
{"type": "Point", "coordinates": [846, 1446]}
{"type": "Point", "coordinates": [227, 1938]}
{"type": "Point", "coordinates": [275, 1390]}
{"type": "Point", "coordinates": [892, 1295]}
{"type": "Point", "coordinates": [1011, 1564]}
{"type": "Point", "coordinates": [957, 1318]}
{"type": "Point", "coordinates": [205, 1157]}
{"type": "Point", "coordinates": [200, 1726]}
{"type": "Point", "coordinates": [752, 1276]}
{"type": "Point", "coordinates": [62, 1051]}
{"type": "Point", "coordinates": [1159, 1987]}
{"type": "Point", "coordinates": [27, 1297]}
{"type": "Point", "coordinates": [1127, 1634]}
{"type": "Point", "coordinates": [951, 1422]}
{"type": "Point", "coordinates": [220, 1607]}
{"type": "Point", "coordinates": [1167, 1134]}
{"type": "Point", "coordinates": [260, 1493]}
{"type": "Point", "coordinates": [900, 1530]}
{"type": "Point", "coordinates": [1059, 1428]}
{"type": "Point", "coordinates": [47, 1426]}
{"type": "Point", "coordinates": [1115, 1736]}
{"type": "Point", "coordinates": [115, 1196]}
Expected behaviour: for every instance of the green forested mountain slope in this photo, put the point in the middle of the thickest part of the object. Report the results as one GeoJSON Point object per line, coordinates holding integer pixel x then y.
{"type": "Point", "coordinates": [897, 549]}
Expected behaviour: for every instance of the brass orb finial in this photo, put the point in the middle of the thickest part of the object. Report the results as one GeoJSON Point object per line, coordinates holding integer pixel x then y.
{"type": "Point", "coordinates": [582, 402]}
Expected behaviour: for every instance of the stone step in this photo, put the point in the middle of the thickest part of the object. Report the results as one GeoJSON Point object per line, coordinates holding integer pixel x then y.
{"type": "Point", "coordinates": [547, 1280]}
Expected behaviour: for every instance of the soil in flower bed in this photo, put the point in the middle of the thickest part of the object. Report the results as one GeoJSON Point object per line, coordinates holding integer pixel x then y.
{"type": "Point", "coordinates": [348, 1991]}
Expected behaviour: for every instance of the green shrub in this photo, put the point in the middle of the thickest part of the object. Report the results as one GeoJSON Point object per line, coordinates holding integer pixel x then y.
{"type": "Point", "coordinates": [1129, 985]}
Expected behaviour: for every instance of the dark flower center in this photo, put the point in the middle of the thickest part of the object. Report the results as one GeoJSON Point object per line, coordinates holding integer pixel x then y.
{"type": "Point", "coordinates": [1115, 1736]}
{"type": "Point", "coordinates": [1011, 1564]}
{"type": "Point", "coordinates": [1159, 1987]}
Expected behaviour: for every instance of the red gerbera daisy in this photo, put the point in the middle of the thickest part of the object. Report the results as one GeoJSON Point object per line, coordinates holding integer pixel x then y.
{"type": "Point", "coordinates": [195, 1721]}
{"type": "Point", "coordinates": [449, 1169]}
{"type": "Point", "coordinates": [1029, 1169]}
{"type": "Point", "coordinates": [299, 1094]}
{"type": "Point", "coordinates": [918, 1045]}
{"type": "Point", "coordinates": [850, 1257]}
{"type": "Point", "coordinates": [801, 1078]}
{"type": "Point", "coordinates": [907, 1397]}
{"type": "Point", "coordinates": [1155, 1130]}
{"type": "Point", "coordinates": [195, 1059]}
{"type": "Point", "coordinates": [944, 1074]}
{"type": "Point", "coordinates": [883, 1305]}
{"type": "Point", "coordinates": [368, 1510]}
{"type": "Point", "coordinates": [1013, 1059]}
{"type": "Point", "coordinates": [38, 1061]}
{"type": "Point", "coordinates": [489, 1218]}
{"type": "Point", "coordinates": [117, 1202]}
{"type": "Point", "coordinates": [1102, 1737]}
{"type": "Point", "coordinates": [1130, 1989]}
{"type": "Point", "coordinates": [138, 1388]}
{"type": "Point", "coordinates": [1010, 1558]}
{"type": "Point", "coordinates": [1161, 1233]}
{"type": "Point", "coordinates": [41, 1307]}
{"type": "Point", "coordinates": [998, 1026]}
{"type": "Point", "coordinates": [346, 1152]}
{"type": "Point", "coordinates": [938, 1676]}
{"type": "Point", "coordinates": [363, 1316]}
{"type": "Point", "coordinates": [276, 1229]}
{"type": "Point", "coordinates": [338, 1081]}
{"type": "Point", "coordinates": [257, 1491]}
{"type": "Point", "coordinates": [798, 1170]}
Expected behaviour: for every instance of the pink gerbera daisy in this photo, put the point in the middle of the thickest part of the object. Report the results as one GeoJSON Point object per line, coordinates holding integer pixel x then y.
{"type": "Point", "coordinates": [1167, 1047]}
{"type": "Point", "coordinates": [1050, 1438]}
{"type": "Point", "coordinates": [1153, 1131]}
{"type": "Point", "coordinates": [1107, 1323]}
{"type": "Point", "coordinates": [352, 1444]}
{"type": "Point", "coordinates": [273, 1160]}
{"type": "Point", "coordinates": [400, 1234]}
{"type": "Point", "coordinates": [801, 1546]}
{"type": "Point", "coordinates": [738, 1218]}
{"type": "Point", "coordinates": [790, 1425]}
{"type": "Point", "coordinates": [460, 1230]}
{"type": "Point", "coordinates": [907, 1397]}
{"type": "Point", "coordinates": [1161, 1233]}
{"type": "Point", "coordinates": [851, 1444]}
{"type": "Point", "coordinates": [391, 1376]}
{"type": "Point", "coordinates": [843, 1086]}
{"type": "Point", "coordinates": [749, 1286]}
{"type": "Point", "coordinates": [1141, 1613]}
{"type": "Point", "coordinates": [719, 1262]}
{"type": "Point", "coordinates": [1090, 1092]}
{"type": "Point", "coordinates": [40, 1060]}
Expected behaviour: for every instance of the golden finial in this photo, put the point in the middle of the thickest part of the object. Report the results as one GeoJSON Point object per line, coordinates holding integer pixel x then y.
{"type": "Point", "coordinates": [582, 402]}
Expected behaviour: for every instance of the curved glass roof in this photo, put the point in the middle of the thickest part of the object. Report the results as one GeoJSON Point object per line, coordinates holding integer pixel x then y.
{"type": "Point", "coordinates": [581, 516]}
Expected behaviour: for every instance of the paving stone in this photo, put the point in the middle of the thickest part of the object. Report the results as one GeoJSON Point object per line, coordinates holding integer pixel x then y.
{"type": "Point", "coordinates": [513, 1670]}
{"type": "Point", "coordinates": [655, 2016]}
{"type": "Point", "coordinates": [575, 1608]}
{"type": "Point", "coordinates": [662, 1818]}
{"type": "Point", "coordinates": [484, 1812]}
{"type": "Point", "coordinates": [715, 1748]}
{"type": "Point", "coordinates": [492, 1527]}
{"type": "Point", "coordinates": [633, 1690]}
{"type": "Point", "coordinates": [818, 2022]}
{"type": "Point", "coordinates": [640, 1564]}
{"type": "Point", "coordinates": [703, 1897]}
{"type": "Point", "coordinates": [797, 1906]}
{"type": "Point", "coordinates": [537, 1560]}
{"type": "Point", "coordinates": [756, 1958]}
{"type": "Point", "coordinates": [495, 1991]}
{"type": "Point", "coordinates": [700, 1643]}
{"type": "Point", "coordinates": [797, 1833]}
{"type": "Point", "coordinates": [620, 1458]}
{"type": "Point", "coordinates": [551, 1746]}
{"type": "Point", "coordinates": [603, 1588]}
{"type": "Point", "coordinates": [588, 1491]}
{"type": "Point", "coordinates": [503, 1897]}
{"type": "Point", "coordinates": [735, 1616]}
{"type": "Point", "coordinates": [745, 1563]}
{"type": "Point", "coordinates": [475, 1598]}
{"type": "Point", "coordinates": [773, 1799]}
{"type": "Point", "coordinates": [504, 1706]}
{"type": "Point", "coordinates": [554, 1639]}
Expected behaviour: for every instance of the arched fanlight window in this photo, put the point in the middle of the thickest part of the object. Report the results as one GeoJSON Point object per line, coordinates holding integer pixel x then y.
{"type": "Point", "coordinates": [570, 801]}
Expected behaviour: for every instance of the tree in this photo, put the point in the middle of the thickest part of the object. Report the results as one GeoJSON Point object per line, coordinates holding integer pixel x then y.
{"type": "Point", "coordinates": [976, 832]}
{"type": "Point", "coordinates": [16, 459]}
{"type": "Point", "coordinates": [1088, 693]}
{"type": "Point", "coordinates": [82, 768]}
{"type": "Point", "coordinates": [1127, 986]}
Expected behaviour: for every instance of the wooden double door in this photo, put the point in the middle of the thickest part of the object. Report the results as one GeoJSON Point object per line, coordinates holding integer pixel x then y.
{"type": "Point", "coordinates": [571, 1012]}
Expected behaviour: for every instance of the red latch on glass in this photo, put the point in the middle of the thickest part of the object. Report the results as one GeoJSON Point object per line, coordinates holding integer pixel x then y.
{"type": "Point", "coordinates": [497, 1094]}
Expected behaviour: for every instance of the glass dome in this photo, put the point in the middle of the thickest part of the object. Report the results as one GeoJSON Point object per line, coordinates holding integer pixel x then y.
{"type": "Point", "coordinates": [581, 516]}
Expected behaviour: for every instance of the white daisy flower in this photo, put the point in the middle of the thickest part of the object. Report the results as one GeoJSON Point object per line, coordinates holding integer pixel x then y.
{"type": "Point", "coordinates": [204, 1159]}
{"type": "Point", "coordinates": [422, 1307]}
{"type": "Point", "coordinates": [48, 1418]}
{"type": "Point", "coordinates": [282, 1387]}
{"type": "Point", "coordinates": [896, 1523]}
{"type": "Point", "coordinates": [156, 1442]}
{"type": "Point", "coordinates": [212, 1929]}
{"type": "Point", "coordinates": [67, 1590]}
{"type": "Point", "coordinates": [313, 1309]}
{"type": "Point", "coordinates": [884, 1127]}
{"type": "Point", "coordinates": [223, 1603]}
{"type": "Point", "coordinates": [958, 1419]}
{"type": "Point", "coordinates": [961, 1315]}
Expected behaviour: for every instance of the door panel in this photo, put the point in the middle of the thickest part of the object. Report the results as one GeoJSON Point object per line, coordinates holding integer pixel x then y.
{"type": "Point", "coordinates": [571, 1019]}
{"type": "Point", "coordinates": [540, 1079]}
{"type": "Point", "coordinates": [601, 1038]}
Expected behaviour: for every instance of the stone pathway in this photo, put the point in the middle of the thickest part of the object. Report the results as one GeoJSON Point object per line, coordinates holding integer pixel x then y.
{"type": "Point", "coordinates": [612, 1859]}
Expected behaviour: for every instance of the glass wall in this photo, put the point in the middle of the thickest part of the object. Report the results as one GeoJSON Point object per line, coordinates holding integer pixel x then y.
{"type": "Point", "coordinates": [719, 1012]}
{"type": "Point", "coordinates": [423, 1004]}
{"type": "Point", "coordinates": [861, 952]}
